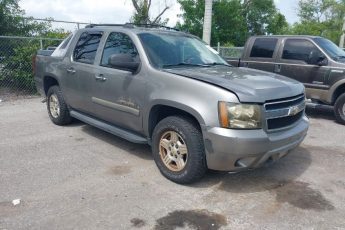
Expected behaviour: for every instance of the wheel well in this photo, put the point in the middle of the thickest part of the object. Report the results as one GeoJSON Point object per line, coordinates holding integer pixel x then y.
{"type": "Point", "coordinates": [159, 112]}
{"type": "Point", "coordinates": [49, 82]}
{"type": "Point", "coordinates": [340, 90]}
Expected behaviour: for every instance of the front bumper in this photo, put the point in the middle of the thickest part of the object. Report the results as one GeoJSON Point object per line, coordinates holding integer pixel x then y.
{"type": "Point", "coordinates": [236, 150]}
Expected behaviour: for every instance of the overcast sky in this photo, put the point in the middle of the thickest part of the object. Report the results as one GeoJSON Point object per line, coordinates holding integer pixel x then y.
{"type": "Point", "coordinates": [115, 11]}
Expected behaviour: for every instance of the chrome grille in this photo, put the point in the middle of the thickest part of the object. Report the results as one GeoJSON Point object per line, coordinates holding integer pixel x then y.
{"type": "Point", "coordinates": [284, 112]}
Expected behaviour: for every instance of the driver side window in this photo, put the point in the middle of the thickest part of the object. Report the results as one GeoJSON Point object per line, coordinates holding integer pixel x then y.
{"type": "Point", "coordinates": [118, 43]}
{"type": "Point", "coordinates": [299, 49]}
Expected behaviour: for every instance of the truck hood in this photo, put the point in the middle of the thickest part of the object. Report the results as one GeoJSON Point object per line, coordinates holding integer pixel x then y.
{"type": "Point", "coordinates": [248, 84]}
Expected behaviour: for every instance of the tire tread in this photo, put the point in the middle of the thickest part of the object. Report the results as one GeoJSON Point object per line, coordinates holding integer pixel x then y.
{"type": "Point", "coordinates": [196, 164]}
{"type": "Point", "coordinates": [338, 109]}
{"type": "Point", "coordinates": [64, 117]}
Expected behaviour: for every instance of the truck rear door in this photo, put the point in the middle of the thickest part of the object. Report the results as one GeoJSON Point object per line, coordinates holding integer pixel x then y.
{"type": "Point", "coordinates": [80, 72]}
{"type": "Point", "coordinates": [260, 54]}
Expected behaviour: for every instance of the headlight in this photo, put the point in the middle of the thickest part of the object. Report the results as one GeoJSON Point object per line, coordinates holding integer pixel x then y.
{"type": "Point", "coordinates": [239, 116]}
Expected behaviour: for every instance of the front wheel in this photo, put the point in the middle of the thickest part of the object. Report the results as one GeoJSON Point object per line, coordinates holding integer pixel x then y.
{"type": "Point", "coordinates": [339, 109]}
{"type": "Point", "coordinates": [178, 149]}
{"type": "Point", "coordinates": [57, 107]}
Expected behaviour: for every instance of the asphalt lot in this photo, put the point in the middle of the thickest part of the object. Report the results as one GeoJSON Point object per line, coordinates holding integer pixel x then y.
{"type": "Point", "coordinates": [79, 177]}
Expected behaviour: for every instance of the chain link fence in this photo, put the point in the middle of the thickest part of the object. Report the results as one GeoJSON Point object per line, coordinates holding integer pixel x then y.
{"type": "Point", "coordinates": [230, 52]}
{"type": "Point", "coordinates": [16, 75]}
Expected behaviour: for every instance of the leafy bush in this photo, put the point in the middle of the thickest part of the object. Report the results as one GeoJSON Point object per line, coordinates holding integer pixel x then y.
{"type": "Point", "coordinates": [16, 71]}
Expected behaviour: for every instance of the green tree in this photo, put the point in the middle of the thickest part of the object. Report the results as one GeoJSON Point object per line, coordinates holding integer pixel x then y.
{"type": "Point", "coordinates": [228, 23]}
{"type": "Point", "coordinates": [13, 22]}
{"type": "Point", "coordinates": [321, 18]}
{"type": "Point", "coordinates": [258, 14]}
{"type": "Point", "coordinates": [10, 17]}
{"type": "Point", "coordinates": [16, 54]}
{"type": "Point", "coordinates": [193, 16]}
{"type": "Point", "coordinates": [278, 25]}
{"type": "Point", "coordinates": [263, 17]}
{"type": "Point", "coordinates": [233, 20]}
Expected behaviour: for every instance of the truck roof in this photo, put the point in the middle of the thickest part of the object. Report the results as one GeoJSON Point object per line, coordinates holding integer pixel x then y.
{"type": "Point", "coordinates": [286, 36]}
{"type": "Point", "coordinates": [135, 28]}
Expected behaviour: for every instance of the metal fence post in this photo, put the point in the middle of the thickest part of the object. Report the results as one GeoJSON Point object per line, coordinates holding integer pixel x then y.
{"type": "Point", "coordinates": [41, 44]}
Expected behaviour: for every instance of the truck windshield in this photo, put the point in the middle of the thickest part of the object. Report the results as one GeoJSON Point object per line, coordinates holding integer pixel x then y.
{"type": "Point", "coordinates": [174, 50]}
{"type": "Point", "coordinates": [331, 49]}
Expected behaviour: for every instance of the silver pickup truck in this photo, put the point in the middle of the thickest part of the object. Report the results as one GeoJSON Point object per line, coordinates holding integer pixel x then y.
{"type": "Point", "coordinates": [168, 89]}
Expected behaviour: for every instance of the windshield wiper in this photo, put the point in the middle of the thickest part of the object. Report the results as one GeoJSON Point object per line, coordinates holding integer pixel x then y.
{"type": "Point", "coordinates": [217, 63]}
{"type": "Point", "coordinates": [340, 56]}
{"type": "Point", "coordinates": [184, 64]}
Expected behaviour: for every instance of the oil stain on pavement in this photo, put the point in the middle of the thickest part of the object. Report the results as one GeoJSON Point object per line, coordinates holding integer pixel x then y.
{"type": "Point", "coordinates": [138, 223]}
{"type": "Point", "coordinates": [8, 209]}
{"type": "Point", "coordinates": [79, 139]}
{"type": "Point", "coordinates": [120, 169]}
{"type": "Point", "coordinates": [195, 219]}
{"type": "Point", "coordinates": [301, 195]}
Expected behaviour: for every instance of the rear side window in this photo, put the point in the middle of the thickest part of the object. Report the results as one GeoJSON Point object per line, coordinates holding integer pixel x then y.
{"type": "Point", "coordinates": [65, 42]}
{"type": "Point", "coordinates": [118, 43]}
{"type": "Point", "coordinates": [86, 48]}
{"type": "Point", "coordinates": [61, 50]}
{"type": "Point", "coordinates": [298, 49]}
{"type": "Point", "coordinates": [264, 47]}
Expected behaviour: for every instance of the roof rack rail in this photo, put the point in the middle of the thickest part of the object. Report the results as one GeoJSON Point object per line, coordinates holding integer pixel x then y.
{"type": "Point", "coordinates": [133, 25]}
{"type": "Point", "coordinates": [156, 26]}
{"type": "Point", "coordinates": [96, 25]}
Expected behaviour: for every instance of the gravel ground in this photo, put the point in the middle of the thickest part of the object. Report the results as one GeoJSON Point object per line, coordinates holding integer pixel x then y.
{"type": "Point", "coordinates": [79, 177]}
{"type": "Point", "coordinates": [10, 95]}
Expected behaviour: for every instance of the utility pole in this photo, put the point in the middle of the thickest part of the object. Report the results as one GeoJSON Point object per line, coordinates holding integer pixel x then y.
{"type": "Point", "coordinates": [207, 22]}
{"type": "Point", "coordinates": [342, 37]}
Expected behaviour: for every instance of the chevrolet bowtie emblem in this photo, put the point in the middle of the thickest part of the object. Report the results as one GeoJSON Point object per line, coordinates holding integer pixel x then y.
{"type": "Point", "coordinates": [294, 110]}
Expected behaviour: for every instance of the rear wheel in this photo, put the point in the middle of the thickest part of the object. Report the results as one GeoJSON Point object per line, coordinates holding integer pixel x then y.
{"type": "Point", "coordinates": [57, 107]}
{"type": "Point", "coordinates": [339, 109]}
{"type": "Point", "coordinates": [178, 149]}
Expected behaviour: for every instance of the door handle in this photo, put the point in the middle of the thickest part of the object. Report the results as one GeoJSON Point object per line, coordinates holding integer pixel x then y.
{"type": "Point", "coordinates": [277, 68]}
{"type": "Point", "coordinates": [100, 77]}
{"type": "Point", "coordinates": [71, 70]}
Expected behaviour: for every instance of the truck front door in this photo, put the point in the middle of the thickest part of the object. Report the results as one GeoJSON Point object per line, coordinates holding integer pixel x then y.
{"type": "Point", "coordinates": [295, 62]}
{"type": "Point", "coordinates": [117, 95]}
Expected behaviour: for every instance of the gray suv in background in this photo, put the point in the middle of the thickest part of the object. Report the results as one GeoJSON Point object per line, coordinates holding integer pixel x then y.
{"type": "Point", "coordinates": [168, 89]}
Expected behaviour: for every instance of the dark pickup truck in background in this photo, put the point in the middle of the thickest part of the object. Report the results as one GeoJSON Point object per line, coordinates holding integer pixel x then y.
{"type": "Point", "coordinates": [315, 61]}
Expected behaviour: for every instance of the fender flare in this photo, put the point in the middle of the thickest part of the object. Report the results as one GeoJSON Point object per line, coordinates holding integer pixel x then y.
{"type": "Point", "coordinates": [333, 89]}
{"type": "Point", "coordinates": [174, 104]}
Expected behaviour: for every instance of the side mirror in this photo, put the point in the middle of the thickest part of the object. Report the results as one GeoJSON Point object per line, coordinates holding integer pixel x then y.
{"type": "Point", "coordinates": [124, 62]}
{"type": "Point", "coordinates": [323, 62]}
{"type": "Point", "coordinates": [317, 58]}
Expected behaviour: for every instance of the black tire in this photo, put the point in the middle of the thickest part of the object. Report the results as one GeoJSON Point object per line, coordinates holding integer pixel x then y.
{"type": "Point", "coordinates": [63, 117]}
{"type": "Point", "coordinates": [195, 165]}
{"type": "Point", "coordinates": [339, 109]}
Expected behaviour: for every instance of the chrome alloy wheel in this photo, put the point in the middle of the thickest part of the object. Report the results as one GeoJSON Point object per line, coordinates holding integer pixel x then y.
{"type": "Point", "coordinates": [54, 106]}
{"type": "Point", "coordinates": [173, 151]}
